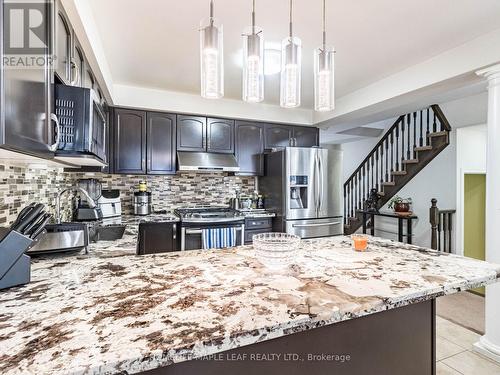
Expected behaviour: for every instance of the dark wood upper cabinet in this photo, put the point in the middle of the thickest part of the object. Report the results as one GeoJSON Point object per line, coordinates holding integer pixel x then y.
{"type": "Point", "coordinates": [161, 142]}
{"type": "Point", "coordinates": [277, 136]}
{"type": "Point", "coordinates": [191, 133]}
{"type": "Point", "coordinates": [249, 147]}
{"type": "Point", "coordinates": [129, 135]}
{"type": "Point", "coordinates": [220, 136]}
{"type": "Point", "coordinates": [80, 65]}
{"type": "Point", "coordinates": [306, 136]}
{"type": "Point", "coordinates": [63, 45]}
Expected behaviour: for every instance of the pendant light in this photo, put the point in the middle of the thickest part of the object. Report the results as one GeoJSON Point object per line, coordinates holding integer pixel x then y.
{"type": "Point", "coordinates": [253, 62]}
{"type": "Point", "coordinates": [211, 57]}
{"type": "Point", "coordinates": [324, 74]}
{"type": "Point", "coordinates": [291, 64]}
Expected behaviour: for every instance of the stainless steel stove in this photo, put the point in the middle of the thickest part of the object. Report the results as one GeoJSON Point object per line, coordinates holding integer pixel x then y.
{"type": "Point", "coordinates": [209, 215]}
{"type": "Point", "coordinates": [194, 220]}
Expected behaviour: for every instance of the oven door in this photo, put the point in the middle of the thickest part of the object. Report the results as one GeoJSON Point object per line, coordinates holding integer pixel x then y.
{"type": "Point", "coordinates": [97, 128]}
{"type": "Point", "coordinates": [192, 236]}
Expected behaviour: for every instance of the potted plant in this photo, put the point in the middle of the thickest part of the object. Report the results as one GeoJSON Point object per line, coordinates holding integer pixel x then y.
{"type": "Point", "coordinates": [399, 204]}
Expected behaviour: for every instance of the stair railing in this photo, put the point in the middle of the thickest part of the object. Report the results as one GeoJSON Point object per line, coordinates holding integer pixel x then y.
{"type": "Point", "coordinates": [441, 228]}
{"type": "Point", "coordinates": [392, 152]}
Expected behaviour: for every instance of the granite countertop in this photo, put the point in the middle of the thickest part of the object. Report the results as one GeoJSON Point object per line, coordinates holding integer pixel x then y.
{"type": "Point", "coordinates": [96, 315]}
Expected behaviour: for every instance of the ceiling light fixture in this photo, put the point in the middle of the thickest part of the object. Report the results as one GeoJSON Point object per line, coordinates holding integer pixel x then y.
{"type": "Point", "coordinates": [211, 57]}
{"type": "Point", "coordinates": [253, 62]}
{"type": "Point", "coordinates": [324, 74]}
{"type": "Point", "coordinates": [291, 65]}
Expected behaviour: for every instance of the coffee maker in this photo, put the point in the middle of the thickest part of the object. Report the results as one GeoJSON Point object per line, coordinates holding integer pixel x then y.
{"type": "Point", "coordinates": [142, 200]}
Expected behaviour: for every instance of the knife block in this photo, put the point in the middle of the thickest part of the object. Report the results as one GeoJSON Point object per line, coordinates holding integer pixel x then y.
{"type": "Point", "coordinates": [15, 266]}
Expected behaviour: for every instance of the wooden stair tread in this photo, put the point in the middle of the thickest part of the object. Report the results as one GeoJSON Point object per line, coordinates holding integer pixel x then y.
{"type": "Point", "coordinates": [423, 148]}
{"type": "Point", "coordinates": [410, 161]}
{"type": "Point", "coordinates": [438, 134]}
{"type": "Point", "coordinates": [388, 183]}
{"type": "Point", "coordinates": [398, 173]}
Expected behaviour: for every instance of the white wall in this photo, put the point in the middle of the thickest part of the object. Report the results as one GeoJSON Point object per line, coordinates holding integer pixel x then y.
{"type": "Point", "coordinates": [471, 158]}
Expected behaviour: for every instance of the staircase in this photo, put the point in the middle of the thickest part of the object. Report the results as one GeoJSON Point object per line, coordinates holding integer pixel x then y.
{"type": "Point", "coordinates": [404, 150]}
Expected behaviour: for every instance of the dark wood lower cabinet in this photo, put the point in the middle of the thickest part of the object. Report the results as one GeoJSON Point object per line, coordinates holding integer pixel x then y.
{"type": "Point", "coordinates": [256, 226]}
{"type": "Point", "coordinates": [157, 238]}
{"type": "Point", "coordinates": [397, 341]}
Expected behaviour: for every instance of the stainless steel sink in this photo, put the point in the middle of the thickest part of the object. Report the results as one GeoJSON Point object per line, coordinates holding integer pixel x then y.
{"type": "Point", "coordinates": [62, 237]}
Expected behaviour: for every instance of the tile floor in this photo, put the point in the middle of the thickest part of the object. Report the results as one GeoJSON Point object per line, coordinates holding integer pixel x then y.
{"type": "Point", "coordinates": [454, 351]}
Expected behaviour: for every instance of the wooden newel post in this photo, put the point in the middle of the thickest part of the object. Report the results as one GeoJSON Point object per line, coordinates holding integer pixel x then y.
{"type": "Point", "coordinates": [434, 220]}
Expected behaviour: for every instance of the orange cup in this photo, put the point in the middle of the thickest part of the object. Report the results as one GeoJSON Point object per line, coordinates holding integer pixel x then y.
{"type": "Point", "coordinates": [359, 242]}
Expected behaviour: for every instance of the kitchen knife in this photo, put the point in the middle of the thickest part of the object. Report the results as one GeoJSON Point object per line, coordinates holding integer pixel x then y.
{"type": "Point", "coordinates": [28, 218]}
{"type": "Point", "coordinates": [34, 222]}
{"type": "Point", "coordinates": [35, 232]}
{"type": "Point", "coordinates": [22, 214]}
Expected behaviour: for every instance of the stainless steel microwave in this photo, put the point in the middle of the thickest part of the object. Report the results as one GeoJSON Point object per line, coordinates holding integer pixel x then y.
{"type": "Point", "coordinates": [82, 129]}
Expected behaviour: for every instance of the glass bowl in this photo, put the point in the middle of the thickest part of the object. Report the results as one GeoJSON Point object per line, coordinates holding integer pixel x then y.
{"type": "Point", "coordinates": [276, 250]}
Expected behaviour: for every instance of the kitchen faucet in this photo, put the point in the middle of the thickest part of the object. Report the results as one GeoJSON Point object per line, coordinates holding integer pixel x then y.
{"type": "Point", "coordinates": [84, 192]}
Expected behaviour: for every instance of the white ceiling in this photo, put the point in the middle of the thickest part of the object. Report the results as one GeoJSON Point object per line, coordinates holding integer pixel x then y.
{"type": "Point", "coordinates": [154, 43]}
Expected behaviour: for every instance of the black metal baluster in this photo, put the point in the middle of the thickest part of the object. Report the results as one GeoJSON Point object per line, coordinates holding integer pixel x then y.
{"type": "Point", "coordinates": [363, 187]}
{"type": "Point", "coordinates": [381, 164]}
{"type": "Point", "coordinates": [402, 141]}
{"type": "Point", "coordinates": [434, 128]}
{"type": "Point", "coordinates": [392, 153]}
{"type": "Point", "coordinates": [427, 132]}
{"type": "Point", "coordinates": [397, 147]}
{"type": "Point", "coordinates": [421, 140]}
{"type": "Point", "coordinates": [414, 134]}
{"type": "Point", "coordinates": [372, 161]}
{"type": "Point", "coordinates": [376, 170]}
{"type": "Point", "coordinates": [360, 206]}
{"type": "Point", "coordinates": [351, 196]}
{"type": "Point", "coordinates": [345, 204]}
{"type": "Point", "coordinates": [408, 122]}
{"type": "Point", "coordinates": [387, 160]}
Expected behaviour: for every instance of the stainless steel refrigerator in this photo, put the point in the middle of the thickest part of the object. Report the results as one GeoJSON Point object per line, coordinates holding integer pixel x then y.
{"type": "Point", "coordinates": [304, 187]}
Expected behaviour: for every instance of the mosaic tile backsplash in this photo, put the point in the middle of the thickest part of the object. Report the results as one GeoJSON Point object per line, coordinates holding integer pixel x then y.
{"type": "Point", "coordinates": [21, 185]}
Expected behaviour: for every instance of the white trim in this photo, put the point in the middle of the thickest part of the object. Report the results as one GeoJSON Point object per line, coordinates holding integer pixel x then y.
{"type": "Point", "coordinates": [487, 348]}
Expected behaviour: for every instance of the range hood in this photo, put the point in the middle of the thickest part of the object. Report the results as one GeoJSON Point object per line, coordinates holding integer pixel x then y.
{"type": "Point", "coordinates": [206, 161]}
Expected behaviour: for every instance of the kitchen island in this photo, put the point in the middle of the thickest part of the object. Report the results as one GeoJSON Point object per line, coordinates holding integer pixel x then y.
{"type": "Point", "coordinates": [224, 312]}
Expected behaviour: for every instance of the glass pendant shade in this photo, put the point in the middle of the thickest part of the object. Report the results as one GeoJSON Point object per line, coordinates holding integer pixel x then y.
{"type": "Point", "coordinates": [253, 65]}
{"type": "Point", "coordinates": [211, 59]}
{"type": "Point", "coordinates": [291, 66]}
{"type": "Point", "coordinates": [324, 79]}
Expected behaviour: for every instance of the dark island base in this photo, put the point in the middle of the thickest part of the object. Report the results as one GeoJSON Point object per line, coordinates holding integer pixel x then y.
{"type": "Point", "coordinates": [393, 342]}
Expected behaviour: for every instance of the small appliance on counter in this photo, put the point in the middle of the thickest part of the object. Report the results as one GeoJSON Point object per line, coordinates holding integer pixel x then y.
{"type": "Point", "coordinates": [27, 230]}
{"type": "Point", "coordinates": [142, 200]}
{"type": "Point", "coordinates": [89, 211]}
{"type": "Point", "coordinates": [110, 203]}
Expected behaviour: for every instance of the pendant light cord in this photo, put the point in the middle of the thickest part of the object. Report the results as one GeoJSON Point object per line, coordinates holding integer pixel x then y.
{"type": "Point", "coordinates": [211, 12]}
{"type": "Point", "coordinates": [291, 9]}
{"type": "Point", "coordinates": [253, 17]}
{"type": "Point", "coordinates": [324, 24]}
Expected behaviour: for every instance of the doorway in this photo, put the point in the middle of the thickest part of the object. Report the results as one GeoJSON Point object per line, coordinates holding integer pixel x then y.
{"type": "Point", "coordinates": [474, 217]}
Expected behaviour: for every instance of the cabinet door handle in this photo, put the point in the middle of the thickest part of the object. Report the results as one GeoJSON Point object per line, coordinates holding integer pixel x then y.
{"type": "Point", "coordinates": [74, 68]}
{"type": "Point", "coordinates": [55, 146]}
